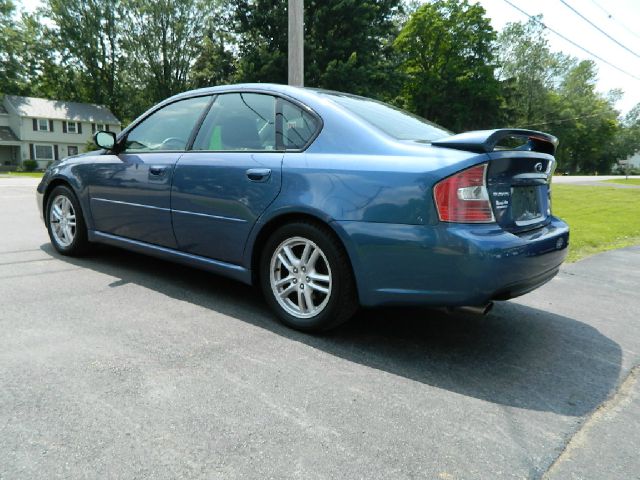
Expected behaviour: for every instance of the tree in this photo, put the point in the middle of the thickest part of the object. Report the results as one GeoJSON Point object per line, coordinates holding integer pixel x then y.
{"type": "Point", "coordinates": [126, 54]}
{"type": "Point", "coordinates": [262, 40]}
{"type": "Point", "coordinates": [216, 62]}
{"type": "Point", "coordinates": [529, 71]}
{"type": "Point", "coordinates": [12, 73]}
{"type": "Point", "coordinates": [347, 43]}
{"type": "Point", "coordinates": [163, 40]}
{"type": "Point", "coordinates": [586, 122]}
{"type": "Point", "coordinates": [447, 56]}
{"type": "Point", "coordinates": [550, 91]}
{"type": "Point", "coordinates": [86, 36]}
{"type": "Point", "coordinates": [627, 141]}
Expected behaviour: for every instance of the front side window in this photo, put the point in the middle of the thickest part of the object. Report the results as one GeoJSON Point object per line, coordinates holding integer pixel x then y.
{"type": "Point", "coordinates": [239, 122]}
{"type": "Point", "coordinates": [298, 126]}
{"type": "Point", "coordinates": [167, 129]}
{"type": "Point", "coordinates": [393, 121]}
{"type": "Point", "coordinates": [44, 152]}
{"type": "Point", "coordinates": [73, 150]}
{"type": "Point", "coordinates": [43, 125]}
{"type": "Point", "coordinates": [72, 127]}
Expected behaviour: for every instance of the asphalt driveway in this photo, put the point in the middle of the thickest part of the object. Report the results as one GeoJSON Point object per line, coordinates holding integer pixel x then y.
{"type": "Point", "coordinates": [595, 180]}
{"type": "Point", "coordinates": [122, 366]}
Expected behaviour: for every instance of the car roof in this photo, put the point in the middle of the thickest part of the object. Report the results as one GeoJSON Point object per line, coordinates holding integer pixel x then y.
{"type": "Point", "coordinates": [338, 122]}
{"type": "Point", "coordinates": [267, 87]}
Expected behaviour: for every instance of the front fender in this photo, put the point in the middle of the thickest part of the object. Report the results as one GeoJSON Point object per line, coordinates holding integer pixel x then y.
{"type": "Point", "coordinates": [72, 173]}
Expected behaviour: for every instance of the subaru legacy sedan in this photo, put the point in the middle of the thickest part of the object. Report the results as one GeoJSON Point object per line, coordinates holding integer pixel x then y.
{"type": "Point", "coordinates": [325, 200]}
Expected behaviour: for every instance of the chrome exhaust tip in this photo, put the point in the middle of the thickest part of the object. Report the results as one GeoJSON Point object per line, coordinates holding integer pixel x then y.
{"type": "Point", "coordinates": [474, 309]}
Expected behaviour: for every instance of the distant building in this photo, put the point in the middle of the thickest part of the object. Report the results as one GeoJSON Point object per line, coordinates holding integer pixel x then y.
{"type": "Point", "coordinates": [632, 161]}
{"type": "Point", "coordinates": [46, 130]}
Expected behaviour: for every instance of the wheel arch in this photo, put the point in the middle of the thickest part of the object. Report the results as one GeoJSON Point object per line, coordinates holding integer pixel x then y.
{"type": "Point", "coordinates": [56, 182]}
{"type": "Point", "coordinates": [271, 225]}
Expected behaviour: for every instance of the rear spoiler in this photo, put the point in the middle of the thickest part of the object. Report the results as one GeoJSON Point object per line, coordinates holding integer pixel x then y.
{"type": "Point", "coordinates": [485, 141]}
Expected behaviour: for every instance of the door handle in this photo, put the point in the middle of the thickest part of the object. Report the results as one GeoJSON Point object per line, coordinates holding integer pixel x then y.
{"type": "Point", "coordinates": [259, 174]}
{"type": "Point", "coordinates": [157, 170]}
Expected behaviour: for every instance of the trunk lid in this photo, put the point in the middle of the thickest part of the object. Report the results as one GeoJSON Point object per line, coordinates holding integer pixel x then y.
{"type": "Point", "coordinates": [520, 168]}
{"type": "Point", "coordinates": [519, 187]}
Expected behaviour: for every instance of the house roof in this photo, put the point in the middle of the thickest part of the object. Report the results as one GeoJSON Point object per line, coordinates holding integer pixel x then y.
{"type": "Point", "coordinates": [7, 135]}
{"type": "Point", "coordinates": [58, 109]}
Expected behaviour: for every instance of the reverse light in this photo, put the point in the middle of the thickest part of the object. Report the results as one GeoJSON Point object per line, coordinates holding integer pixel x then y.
{"type": "Point", "coordinates": [463, 197]}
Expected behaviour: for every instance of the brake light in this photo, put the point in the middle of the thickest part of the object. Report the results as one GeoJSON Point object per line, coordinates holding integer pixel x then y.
{"type": "Point", "coordinates": [463, 197]}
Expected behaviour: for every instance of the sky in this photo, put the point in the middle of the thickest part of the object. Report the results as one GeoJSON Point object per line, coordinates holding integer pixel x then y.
{"type": "Point", "coordinates": [619, 18]}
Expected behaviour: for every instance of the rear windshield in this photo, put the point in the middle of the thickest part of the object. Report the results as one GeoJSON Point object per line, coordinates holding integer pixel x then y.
{"type": "Point", "coordinates": [391, 120]}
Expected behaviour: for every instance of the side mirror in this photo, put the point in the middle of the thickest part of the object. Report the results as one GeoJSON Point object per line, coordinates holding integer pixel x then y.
{"type": "Point", "coordinates": [105, 140]}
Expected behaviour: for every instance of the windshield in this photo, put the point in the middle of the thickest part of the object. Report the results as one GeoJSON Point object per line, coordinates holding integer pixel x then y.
{"type": "Point", "coordinates": [391, 120]}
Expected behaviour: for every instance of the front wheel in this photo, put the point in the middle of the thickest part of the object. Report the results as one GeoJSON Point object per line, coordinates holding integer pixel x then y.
{"type": "Point", "coordinates": [65, 223]}
{"type": "Point", "coordinates": [306, 277]}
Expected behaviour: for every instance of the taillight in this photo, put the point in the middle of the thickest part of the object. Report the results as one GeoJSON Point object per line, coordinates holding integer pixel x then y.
{"type": "Point", "coordinates": [463, 197]}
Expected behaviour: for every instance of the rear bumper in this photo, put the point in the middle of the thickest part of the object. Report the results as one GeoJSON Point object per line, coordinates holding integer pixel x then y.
{"type": "Point", "coordinates": [450, 265]}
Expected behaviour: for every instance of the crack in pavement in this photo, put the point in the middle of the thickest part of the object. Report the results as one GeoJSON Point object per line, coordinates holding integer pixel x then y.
{"type": "Point", "coordinates": [620, 397]}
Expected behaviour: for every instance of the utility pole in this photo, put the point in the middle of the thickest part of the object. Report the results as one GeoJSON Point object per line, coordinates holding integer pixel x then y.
{"type": "Point", "coordinates": [296, 42]}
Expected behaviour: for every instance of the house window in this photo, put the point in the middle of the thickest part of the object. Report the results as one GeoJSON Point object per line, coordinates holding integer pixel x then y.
{"type": "Point", "coordinates": [43, 125]}
{"type": "Point", "coordinates": [44, 152]}
{"type": "Point", "coordinates": [72, 150]}
{"type": "Point", "coordinates": [101, 127]}
{"type": "Point", "coordinates": [72, 127]}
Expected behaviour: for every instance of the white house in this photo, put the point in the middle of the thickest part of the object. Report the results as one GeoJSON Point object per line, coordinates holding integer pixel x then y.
{"type": "Point", "coordinates": [633, 160]}
{"type": "Point", "coordinates": [47, 130]}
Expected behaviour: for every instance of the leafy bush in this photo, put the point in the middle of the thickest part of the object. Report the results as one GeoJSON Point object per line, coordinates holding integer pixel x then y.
{"type": "Point", "coordinates": [29, 165]}
{"type": "Point", "coordinates": [90, 146]}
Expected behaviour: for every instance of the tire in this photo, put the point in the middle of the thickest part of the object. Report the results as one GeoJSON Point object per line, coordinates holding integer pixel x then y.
{"type": "Point", "coordinates": [304, 255]}
{"type": "Point", "coordinates": [65, 222]}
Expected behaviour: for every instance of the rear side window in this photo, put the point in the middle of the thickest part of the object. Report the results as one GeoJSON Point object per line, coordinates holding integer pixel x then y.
{"type": "Point", "coordinates": [167, 129]}
{"type": "Point", "coordinates": [298, 126]}
{"type": "Point", "coordinates": [239, 121]}
{"type": "Point", "coordinates": [391, 120]}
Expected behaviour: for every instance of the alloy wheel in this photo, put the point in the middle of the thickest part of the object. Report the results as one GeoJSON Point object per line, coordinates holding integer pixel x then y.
{"type": "Point", "coordinates": [300, 277]}
{"type": "Point", "coordinates": [62, 217]}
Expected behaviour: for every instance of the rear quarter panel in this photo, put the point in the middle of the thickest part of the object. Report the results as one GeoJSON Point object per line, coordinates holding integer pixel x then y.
{"type": "Point", "coordinates": [380, 188]}
{"type": "Point", "coordinates": [377, 188]}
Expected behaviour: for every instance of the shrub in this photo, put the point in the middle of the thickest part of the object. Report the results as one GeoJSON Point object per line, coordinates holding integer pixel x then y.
{"type": "Point", "coordinates": [29, 165]}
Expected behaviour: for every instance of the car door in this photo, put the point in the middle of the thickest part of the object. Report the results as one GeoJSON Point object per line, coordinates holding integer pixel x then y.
{"type": "Point", "coordinates": [230, 176]}
{"type": "Point", "coordinates": [130, 193]}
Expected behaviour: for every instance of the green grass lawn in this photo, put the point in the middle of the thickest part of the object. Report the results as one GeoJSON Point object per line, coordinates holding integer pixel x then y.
{"type": "Point", "coordinates": [600, 218]}
{"type": "Point", "coordinates": [26, 174]}
{"type": "Point", "coordinates": [625, 181]}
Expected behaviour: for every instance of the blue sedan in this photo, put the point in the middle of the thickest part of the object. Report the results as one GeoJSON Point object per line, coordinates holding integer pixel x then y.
{"type": "Point", "coordinates": [325, 200]}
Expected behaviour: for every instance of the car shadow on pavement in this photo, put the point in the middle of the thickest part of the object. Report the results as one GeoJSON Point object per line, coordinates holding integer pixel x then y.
{"type": "Point", "coordinates": [516, 356]}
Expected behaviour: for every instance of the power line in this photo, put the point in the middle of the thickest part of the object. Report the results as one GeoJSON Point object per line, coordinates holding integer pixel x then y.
{"type": "Point", "coordinates": [611, 17]}
{"type": "Point", "coordinates": [572, 42]}
{"type": "Point", "coordinates": [598, 28]}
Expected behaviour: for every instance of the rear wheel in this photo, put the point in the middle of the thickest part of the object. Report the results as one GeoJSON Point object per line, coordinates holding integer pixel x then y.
{"type": "Point", "coordinates": [306, 277]}
{"type": "Point", "coordinates": [65, 223]}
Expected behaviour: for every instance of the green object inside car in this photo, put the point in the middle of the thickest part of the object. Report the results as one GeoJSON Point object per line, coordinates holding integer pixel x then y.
{"type": "Point", "coordinates": [215, 143]}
